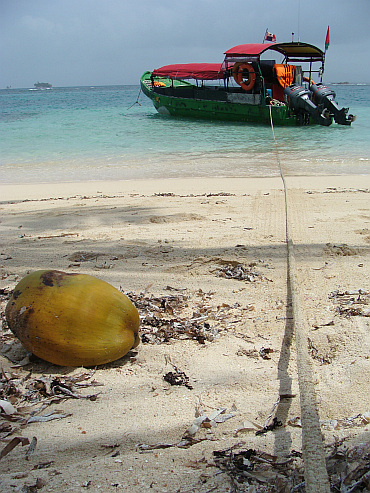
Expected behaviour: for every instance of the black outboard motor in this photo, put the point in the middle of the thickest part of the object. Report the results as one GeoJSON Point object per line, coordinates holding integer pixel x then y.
{"type": "Point", "coordinates": [324, 96]}
{"type": "Point", "coordinates": [298, 99]}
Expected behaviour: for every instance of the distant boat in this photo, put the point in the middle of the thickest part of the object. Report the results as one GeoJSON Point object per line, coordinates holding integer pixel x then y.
{"type": "Point", "coordinates": [42, 85]}
{"type": "Point", "coordinates": [249, 89]}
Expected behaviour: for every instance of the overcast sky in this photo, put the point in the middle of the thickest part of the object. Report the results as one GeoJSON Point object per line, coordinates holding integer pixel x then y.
{"type": "Point", "coordinates": [99, 42]}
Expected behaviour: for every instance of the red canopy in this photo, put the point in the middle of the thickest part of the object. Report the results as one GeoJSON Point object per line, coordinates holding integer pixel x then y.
{"type": "Point", "coordinates": [292, 51]}
{"type": "Point", "coordinates": [248, 49]}
{"type": "Point", "coordinates": [209, 71]}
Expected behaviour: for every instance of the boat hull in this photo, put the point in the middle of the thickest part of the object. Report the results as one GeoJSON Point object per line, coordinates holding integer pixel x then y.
{"type": "Point", "coordinates": [228, 106]}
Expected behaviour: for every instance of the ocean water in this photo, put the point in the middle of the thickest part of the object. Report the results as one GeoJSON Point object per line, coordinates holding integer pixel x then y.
{"type": "Point", "coordinates": [101, 133]}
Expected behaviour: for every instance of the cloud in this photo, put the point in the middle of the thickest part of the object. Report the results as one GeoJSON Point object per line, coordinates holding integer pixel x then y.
{"type": "Point", "coordinates": [39, 25]}
{"type": "Point", "coordinates": [93, 42]}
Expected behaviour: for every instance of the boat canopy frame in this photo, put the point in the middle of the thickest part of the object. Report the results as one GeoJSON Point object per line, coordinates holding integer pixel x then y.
{"type": "Point", "coordinates": [292, 52]}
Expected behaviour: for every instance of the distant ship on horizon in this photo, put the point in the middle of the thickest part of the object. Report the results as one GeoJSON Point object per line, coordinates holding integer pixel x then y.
{"type": "Point", "coordinates": [42, 85]}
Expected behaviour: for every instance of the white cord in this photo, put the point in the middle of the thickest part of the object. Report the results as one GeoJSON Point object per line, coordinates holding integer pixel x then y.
{"type": "Point", "coordinates": [316, 475]}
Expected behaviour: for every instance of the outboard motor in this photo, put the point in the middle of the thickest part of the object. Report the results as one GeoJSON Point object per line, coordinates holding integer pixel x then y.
{"type": "Point", "coordinates": [324, 96]}
{"type": "Point", "coordinates": [298, 99]}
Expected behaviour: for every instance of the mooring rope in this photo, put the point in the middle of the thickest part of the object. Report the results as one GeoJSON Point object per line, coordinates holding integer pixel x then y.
{"type": "Point", "coordinates": [137, 100]}
{"type": "Point", "coordinates": [315, 472]}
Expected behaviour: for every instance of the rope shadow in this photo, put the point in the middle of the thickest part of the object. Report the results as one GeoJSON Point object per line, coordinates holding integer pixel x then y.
{"type": "Point", "coordinates": [283, 440]}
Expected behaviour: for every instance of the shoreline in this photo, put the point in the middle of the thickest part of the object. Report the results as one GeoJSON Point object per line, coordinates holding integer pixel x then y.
{"type": "Point", "coordinates": [36, 191]}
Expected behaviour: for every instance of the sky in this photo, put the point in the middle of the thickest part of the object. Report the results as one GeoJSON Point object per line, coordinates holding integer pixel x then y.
{"type": "Point", "coordinates": [108, 42]}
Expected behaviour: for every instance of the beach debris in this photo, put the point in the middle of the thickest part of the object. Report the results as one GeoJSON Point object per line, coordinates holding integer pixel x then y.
{"type": "Point", "coordinates": [31, 448]}
{"type": "Point", "coordinates": [84, 256]}
{"type": "Point", "coordinates": [12, 444]}
{"type": "Point", "coordinates": [349, 468]}
{"type": "Point", "coordinates": [317, 326]}
{"type": "Point", "coordinates": [340, 250]}
{"type": "Point", "coordinates": [177, 378]}
{"type": "Point", "coordinates": [33, 488]}
{"type": "Point", "coordinates": [270, 427]}
{"type": "Point", "coordinates": [240, 272]}
{"type": "Point", "coordinates": [24, 397]}
{"type": "Point", "coordinates": [104, 265]}
{"type": "Point", "coordinates": [183, 443]}
{"type": "Point", "coordinates": [252, 467]}
{"type": "Point", "coordinates": [6, 407]}
{"type": "Point", "coordinates": [58, 387]}
{"type": "Point", "coordinates": [343, 190]}
{"type": "Point", "coordinates": [202, 420]}
{"type": "Point", "coordinates": [362, 419]}
{"type": "Point", "coordinates": [61, 235]}
{"type": "Point", "coordinates": [256, 471]}
{"type": "Point", "coordinates": [183, 316]}
{"type": "Point", "coordinates": [253, 353]}
{"type": "Point", "coordinates": [48, 417]}
{"type": "Point", "coordinates": [264, 352]}
{"type": "Point", "coordinates": [270, 422]}
{"type": "Point", "coordinates": [43, 465]}
{"type": "Point", "coordinates": [296, 422]}
{"type": "Point", "coordinates": [352, 302]}
{"type": "Point", "coordinates": [250, 353]}
{"type": "Point", "coordinates": [220, 194]}
{"type": "Point", "coordinates": [323, 359]}
{"type": "Point", "coordinates": [246, 426]}
{"type": "Point", "coordinates": [322, 267]}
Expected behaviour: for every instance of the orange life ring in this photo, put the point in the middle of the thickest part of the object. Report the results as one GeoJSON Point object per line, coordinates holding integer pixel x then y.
{"type": "Point", "coordinates": [238, 70]}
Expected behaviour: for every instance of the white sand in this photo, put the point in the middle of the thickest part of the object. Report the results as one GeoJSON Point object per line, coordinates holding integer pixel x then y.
{"type": "Point", "coordinates": [155, 234]}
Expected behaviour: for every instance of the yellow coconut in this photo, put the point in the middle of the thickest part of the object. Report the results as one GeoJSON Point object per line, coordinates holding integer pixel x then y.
{"type": "Point", "coordinates": [72, 319]}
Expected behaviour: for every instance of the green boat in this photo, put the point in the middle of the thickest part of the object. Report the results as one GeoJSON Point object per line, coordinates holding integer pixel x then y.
{"type": "Point", "coordinates": [247, 87]}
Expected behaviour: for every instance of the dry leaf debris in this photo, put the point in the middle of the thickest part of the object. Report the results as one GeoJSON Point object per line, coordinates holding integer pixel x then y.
{"type": "Point", "coordinates": [362, 419]}
{"type": "Point", "coordinates": [259, 472]}
{"type": "Point", "coordinates": [177, 377]}
{"type": "Point", "coordinates": [340, 250]}
{"type": "Point", "coordinates": [183, 316]}
{"type": "Point", "coordinates": [240, 272]}
{"type": "Point", "coordinates": [314, 352]}
{"type": "Point", "coordinates": [351, 303]}
{"type": "Point", "coordinates": [202, 420]}
{"type": "Point", "coordinates": [23, 398]}
{"type": "Point", "coordinates": [248, 468]}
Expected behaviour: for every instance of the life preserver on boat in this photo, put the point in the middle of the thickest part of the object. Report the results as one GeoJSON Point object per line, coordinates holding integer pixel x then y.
{"type": "Point", "coordinates": [238, 70]}
{"type": "Point", "coordinates": [284, 73]}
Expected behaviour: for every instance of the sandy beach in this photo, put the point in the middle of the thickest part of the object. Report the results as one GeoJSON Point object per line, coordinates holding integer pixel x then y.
{"type": "Point", "coordinates": [205, 262]}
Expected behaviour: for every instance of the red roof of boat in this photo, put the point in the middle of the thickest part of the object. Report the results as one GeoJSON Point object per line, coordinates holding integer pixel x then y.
{"type": "Point", "coordinates": [293, 51]}
{"type": "Point", "coordinates": [203, 71]}
{"type": "Point", "coordinates": [248, 49]}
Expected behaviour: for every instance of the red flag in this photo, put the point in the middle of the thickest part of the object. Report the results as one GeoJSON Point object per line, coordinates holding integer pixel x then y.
{"type": "Point", "coordinates": [327, 39]}
{"type": "Point", "coordinates": [269, 37]}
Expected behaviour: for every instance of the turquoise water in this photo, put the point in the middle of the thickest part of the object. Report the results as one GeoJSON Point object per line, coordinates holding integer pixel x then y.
{"type": "Point", "coordinates": [99, 133]}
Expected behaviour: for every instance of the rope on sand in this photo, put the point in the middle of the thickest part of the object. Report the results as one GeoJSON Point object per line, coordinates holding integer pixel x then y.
{"type": "Point", "coordinates": [315, 474]}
